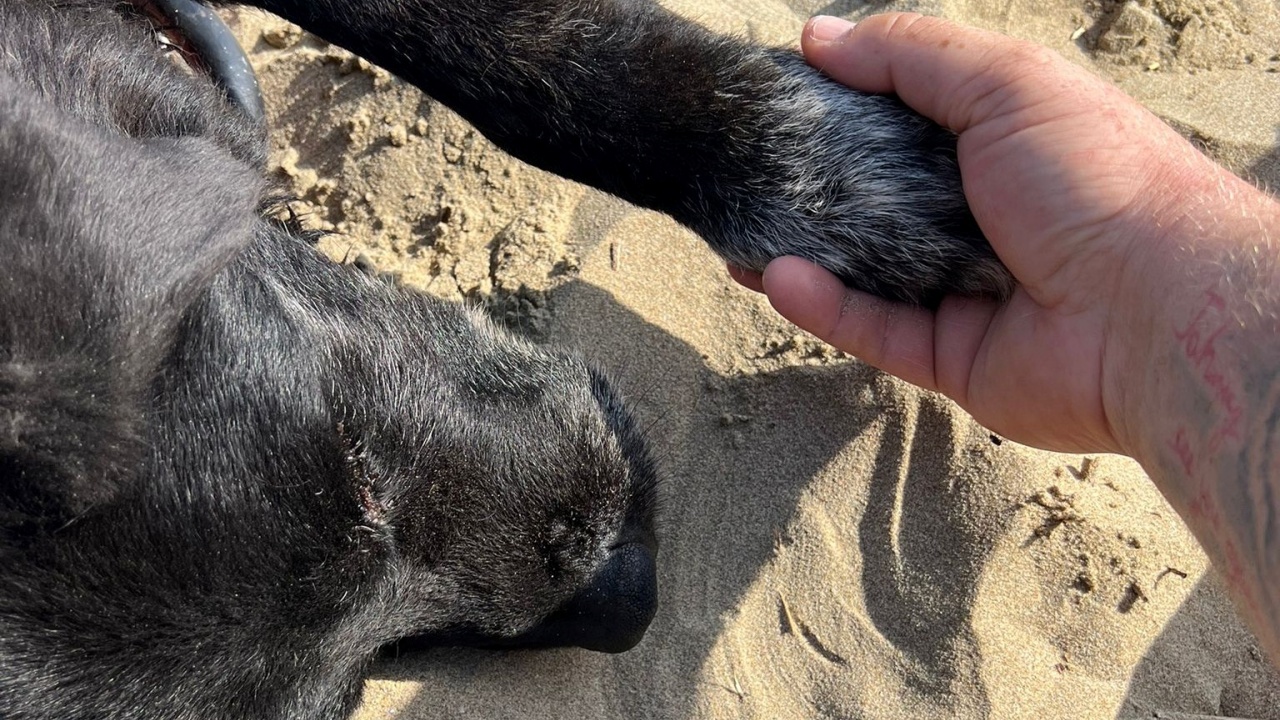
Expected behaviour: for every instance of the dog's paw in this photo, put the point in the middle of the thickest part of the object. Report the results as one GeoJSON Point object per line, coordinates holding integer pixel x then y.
{"type": "Point", "coordinates": [857, 183]}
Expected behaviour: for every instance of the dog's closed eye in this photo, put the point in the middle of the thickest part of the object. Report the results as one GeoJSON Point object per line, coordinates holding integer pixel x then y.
{"type": "Point", "coordinates": [363, 477]}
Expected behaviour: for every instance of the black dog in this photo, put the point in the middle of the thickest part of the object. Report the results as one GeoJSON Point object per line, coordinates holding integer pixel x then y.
{"type": "Point", "coordinates": [230, 470]}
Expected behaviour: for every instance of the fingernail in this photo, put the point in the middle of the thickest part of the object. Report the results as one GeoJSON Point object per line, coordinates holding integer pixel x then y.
{"type": "Point", "coordinates": [827, 29]}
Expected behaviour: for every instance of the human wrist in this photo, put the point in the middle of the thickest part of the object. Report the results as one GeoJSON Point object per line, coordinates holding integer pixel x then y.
{"type": "Point", "coordinates": [1199, 384]}
{"type": "Point", "coordinates": [1199, 296]}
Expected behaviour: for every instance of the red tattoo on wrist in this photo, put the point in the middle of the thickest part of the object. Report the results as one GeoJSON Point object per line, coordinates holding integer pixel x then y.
{"type": "Point", "coordinates": [1199, 344]}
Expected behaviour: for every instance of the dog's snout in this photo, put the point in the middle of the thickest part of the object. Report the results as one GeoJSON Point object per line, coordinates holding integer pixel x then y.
{"type": "Point", "coordinates": [612, 613]}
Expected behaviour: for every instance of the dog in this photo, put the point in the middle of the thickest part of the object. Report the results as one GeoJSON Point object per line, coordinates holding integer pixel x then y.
{"type": "Point", "coordinates": [231, 470]}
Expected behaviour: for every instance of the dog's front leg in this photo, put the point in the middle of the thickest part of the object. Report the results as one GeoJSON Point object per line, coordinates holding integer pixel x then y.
{"type": "Point", "coordinates": [748, 146]}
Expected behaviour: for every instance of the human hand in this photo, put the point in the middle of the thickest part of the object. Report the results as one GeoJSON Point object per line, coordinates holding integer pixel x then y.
{"type": "Point", "coordinates": [1073, 183]}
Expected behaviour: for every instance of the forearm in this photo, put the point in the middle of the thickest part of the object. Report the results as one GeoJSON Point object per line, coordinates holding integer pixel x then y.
{"type": "Point", "coordinates": [1204, 405]}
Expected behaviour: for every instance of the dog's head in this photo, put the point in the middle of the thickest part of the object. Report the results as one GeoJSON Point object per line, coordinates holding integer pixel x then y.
{"type": "Point", "coordinates": [210, 420]}
{"type": "Point", "coordinates": [510, 479]}
{"type": "Point", "coordinates": [501, 488]}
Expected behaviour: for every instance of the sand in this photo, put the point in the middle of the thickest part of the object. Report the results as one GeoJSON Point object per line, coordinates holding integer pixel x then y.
{"type": "Point", "coordinates": [835, 544]}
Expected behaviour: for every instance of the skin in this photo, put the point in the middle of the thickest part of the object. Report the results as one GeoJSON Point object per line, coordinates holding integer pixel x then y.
{"type": "Point", "coordinates": [1147, 317]}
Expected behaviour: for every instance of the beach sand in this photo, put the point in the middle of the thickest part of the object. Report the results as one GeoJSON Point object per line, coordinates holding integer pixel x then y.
{"type": "Point", "coordinates": [835, 544]}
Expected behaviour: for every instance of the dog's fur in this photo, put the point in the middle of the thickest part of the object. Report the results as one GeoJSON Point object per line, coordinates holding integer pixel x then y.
{"type": "Point", "coordinates": [230, 470]}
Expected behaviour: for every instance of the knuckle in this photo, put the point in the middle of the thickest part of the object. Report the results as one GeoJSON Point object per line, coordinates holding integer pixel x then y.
{"type": "Point", "coordinates": [912, 28]}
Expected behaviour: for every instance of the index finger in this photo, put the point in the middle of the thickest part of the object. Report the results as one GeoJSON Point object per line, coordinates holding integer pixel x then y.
{"type": "Point", "coordinates": [956, 76]}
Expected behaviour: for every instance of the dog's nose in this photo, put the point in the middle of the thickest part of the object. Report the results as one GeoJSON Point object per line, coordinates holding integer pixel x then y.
{"type": "Point", "coordinates": [612, 613]}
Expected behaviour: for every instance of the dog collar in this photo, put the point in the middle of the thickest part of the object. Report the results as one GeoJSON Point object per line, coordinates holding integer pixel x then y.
{"type": "Point", "coordinates": [206, 43]}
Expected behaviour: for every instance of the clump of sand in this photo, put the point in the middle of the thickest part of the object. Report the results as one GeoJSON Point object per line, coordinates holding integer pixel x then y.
{"type": "Point", "coordinates": [836, 543]}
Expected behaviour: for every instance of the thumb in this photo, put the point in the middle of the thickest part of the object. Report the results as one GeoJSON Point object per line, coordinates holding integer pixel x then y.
{"type": "Point", "coordinates": [956, 76]}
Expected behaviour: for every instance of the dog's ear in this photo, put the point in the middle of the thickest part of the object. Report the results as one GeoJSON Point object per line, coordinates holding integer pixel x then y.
{"type": "Point", "coordinates": [105, 243]}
